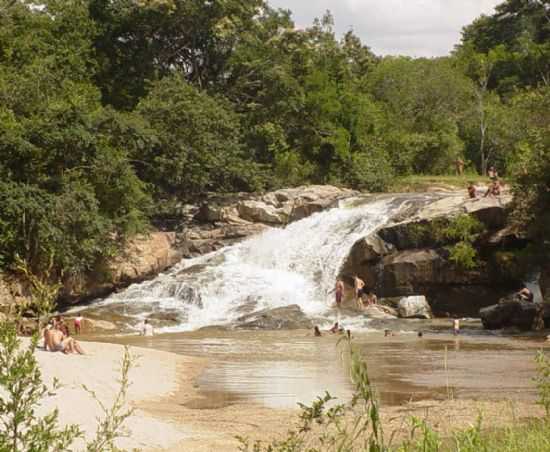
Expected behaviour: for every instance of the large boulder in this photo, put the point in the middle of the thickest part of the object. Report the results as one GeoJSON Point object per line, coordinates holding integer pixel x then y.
{"type": "Point", "coordinates": [283, 318]}
{"type": "Point", "coordinates": [143, 258]}
{"type": "Point", "coordinates": [259, 211]}
{"type": "Point", "coordinates": [414, 307]}
{"type": "Point", "coordinates": [511, 312]}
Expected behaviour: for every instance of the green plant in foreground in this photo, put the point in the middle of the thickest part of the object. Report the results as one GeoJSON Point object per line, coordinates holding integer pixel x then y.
{"type": "Point", "coordinates": [21, 392]}
{"type": "Point", "coordinates": [542, 381]}
{"type": "Point", "coordinates": [357, 427]}
{"type": "Point", "coordinates": [340, 427]}
{"type": "Point", "coordinates": [111, 426]}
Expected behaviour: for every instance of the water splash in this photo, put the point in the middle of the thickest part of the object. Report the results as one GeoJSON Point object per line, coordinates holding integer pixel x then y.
{"type": "Point", "coordinates": [279, 267]}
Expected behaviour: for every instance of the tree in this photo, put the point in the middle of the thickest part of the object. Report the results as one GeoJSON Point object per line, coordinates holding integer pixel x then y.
{"type": "Point", "coordinates": [198, 142]}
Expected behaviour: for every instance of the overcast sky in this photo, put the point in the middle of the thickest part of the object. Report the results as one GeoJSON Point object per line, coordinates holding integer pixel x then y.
{"type": "Point", "coordinates": [405, 27]}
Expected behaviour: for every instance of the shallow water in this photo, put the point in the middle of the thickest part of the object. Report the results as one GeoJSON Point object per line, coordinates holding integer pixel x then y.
{"type": "Point", "coordinates": [282, 368]}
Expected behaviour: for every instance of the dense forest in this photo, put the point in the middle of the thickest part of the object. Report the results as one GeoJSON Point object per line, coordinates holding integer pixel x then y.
{"type": "Point", "coordinates": [114, 111]}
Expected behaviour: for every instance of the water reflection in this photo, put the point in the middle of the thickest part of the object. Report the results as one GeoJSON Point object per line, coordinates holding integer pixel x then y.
{"type": "Point", "coordinates": [281, 369]}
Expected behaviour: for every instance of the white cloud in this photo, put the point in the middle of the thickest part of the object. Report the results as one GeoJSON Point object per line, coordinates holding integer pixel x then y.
{"type": "Point", "coordinates": [406, 27]}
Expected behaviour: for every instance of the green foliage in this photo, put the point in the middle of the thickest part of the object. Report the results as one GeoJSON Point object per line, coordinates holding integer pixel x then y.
{"type": "Point", "coordinates": [464, 230]}
{"type": "Point", "coordinates": [198, 140]}
{"type": "Point", "coordinates": [21, 392]}
{"type": "Point", "coordinates": [542, 381]}
{"type": "Point", "coordinates": [43, 292]}
{"type": "Point", "coordinates": [110, 108]}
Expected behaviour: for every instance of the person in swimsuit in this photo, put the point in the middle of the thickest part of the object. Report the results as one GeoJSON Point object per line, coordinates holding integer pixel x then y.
{"type": "Point", "coordinates": [78, 324]}
{"type": "Point", "coordinates": [493, 189]}
{"type": "Point", "coordinates": [359, 285]}
{"type": "Point", "coordinates": [56, 341]}
{"type": "Point", "coordinates": [472, 191]}
{"type": "Point", "coordinates": [371, 298]}
{"type": "Point", "coordinates": [339, 292]}
{"type": "Point", "coordinates": [456, 327]}
{"type": "Point", "coordinates": [525, 294]}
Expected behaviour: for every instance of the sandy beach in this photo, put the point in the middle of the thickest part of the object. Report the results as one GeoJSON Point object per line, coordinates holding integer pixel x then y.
{"type": "Point", "coordinates": [154, 376]}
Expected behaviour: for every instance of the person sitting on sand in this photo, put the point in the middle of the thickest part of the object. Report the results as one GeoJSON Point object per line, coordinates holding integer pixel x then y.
{"type": "Point", "coordinates": [525, 294]}
{"type": "Point", "coordinates": [359, 286]}
{"type": "Point", "coordinates": [147, 329]}
{"type": "Point", "coordinates": [339, 292]}
{"type": "Point", "coordinates": [61, 325]}
{"type": "Point", "coordinates": [371, 298]}
{"type": "Point", "coordinates": [56, 341]}
{"type": "Point", "coordinates": [472, 191]}
{"type": "Point", "coordinates": [335, 328]}
{"type": "Point", "coordinates": [316, 331]}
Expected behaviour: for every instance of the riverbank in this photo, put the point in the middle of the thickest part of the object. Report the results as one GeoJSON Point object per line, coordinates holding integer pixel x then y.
{"type": "Point", "coordinates": [219, 384]}
{"type": "Point", "coordinates": [154, 376]}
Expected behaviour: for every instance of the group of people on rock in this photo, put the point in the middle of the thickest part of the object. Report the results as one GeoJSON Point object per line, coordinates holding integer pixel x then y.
{"type": "Point", "coordinates": [363, 297]}
{"type": "Point", "coordinates": [57, 337]}
{"type": "Point", "coordinates": [493, 190]}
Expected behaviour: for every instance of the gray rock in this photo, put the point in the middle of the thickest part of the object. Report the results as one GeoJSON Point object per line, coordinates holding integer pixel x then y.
{"type": "Point", "coordinates": [511, 312]}
{"type": "Point", "coordinates": [284, 318]}
{"type": "Point", "coordinates": [414, 307]}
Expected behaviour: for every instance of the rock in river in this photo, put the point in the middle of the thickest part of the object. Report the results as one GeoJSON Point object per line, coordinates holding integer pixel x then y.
{"type": "Point", "coordinates": [284, 318]}
{"type": "Point", "coordinates": [414, 307]}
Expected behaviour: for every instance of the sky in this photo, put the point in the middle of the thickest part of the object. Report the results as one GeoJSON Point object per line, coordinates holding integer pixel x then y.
{"type": "Point", "coordinates": [420, 28]}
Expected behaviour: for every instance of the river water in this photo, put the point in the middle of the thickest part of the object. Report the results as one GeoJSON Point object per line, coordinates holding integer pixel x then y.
{"type": "Point", "coordinates": [279, 369]}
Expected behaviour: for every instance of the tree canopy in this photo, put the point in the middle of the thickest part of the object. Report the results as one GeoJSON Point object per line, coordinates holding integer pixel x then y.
{"type": "Point", "coordinates": [110, 107]}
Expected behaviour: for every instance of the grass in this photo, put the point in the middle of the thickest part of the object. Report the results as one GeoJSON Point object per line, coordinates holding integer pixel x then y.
{"type": "Point", "coordinates": [419, 183]}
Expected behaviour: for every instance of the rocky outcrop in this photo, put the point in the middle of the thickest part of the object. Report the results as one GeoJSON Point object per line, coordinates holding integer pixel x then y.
{"type": "Point", "coordinates": [511, 312]}
{"type": "Point", "coordinates": [284, 318]}
{"type": "Point", "coordinates": [274, 208]}
{"type": "Point", "coordinates": [408, 257]}
{"type": "Point", "coordinates": [414, 307]}
{"type": "Point", "coordinates": [143, 258]}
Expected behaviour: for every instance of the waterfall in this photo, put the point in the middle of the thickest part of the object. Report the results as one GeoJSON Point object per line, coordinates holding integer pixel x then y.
{"type": "Point", "coordinates": [297, 264]}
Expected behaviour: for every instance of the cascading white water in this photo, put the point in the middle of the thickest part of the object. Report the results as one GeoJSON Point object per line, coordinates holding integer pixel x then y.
{"type": "Point", "coordinates": [294, 265]}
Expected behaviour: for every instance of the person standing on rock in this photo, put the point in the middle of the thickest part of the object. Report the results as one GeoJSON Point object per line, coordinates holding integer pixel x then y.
{"type": "Point", "coordinates": [339, 292]}
{"type": "Point", "coordinates": [359, 285]}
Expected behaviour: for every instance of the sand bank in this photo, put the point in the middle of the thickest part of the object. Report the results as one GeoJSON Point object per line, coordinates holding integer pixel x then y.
{"type": "Point", "coordinates": [154, 376]}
